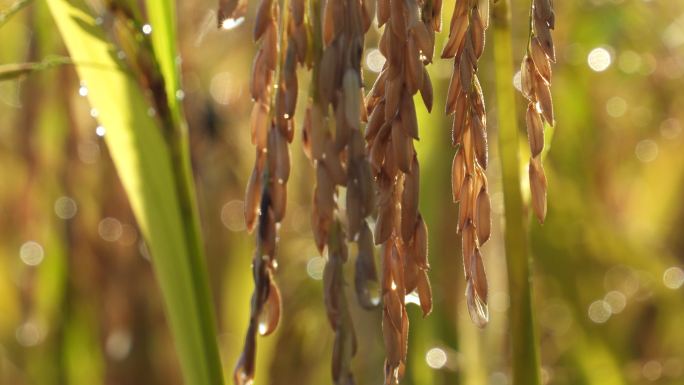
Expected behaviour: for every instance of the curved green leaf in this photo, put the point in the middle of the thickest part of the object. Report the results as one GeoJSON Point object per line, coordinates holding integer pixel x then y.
{"type": "Point", "coordinates": [158, 184]}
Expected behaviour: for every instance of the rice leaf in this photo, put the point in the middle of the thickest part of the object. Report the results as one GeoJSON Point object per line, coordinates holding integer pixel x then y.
{"type": "Point", "coordinates": [155, 173]}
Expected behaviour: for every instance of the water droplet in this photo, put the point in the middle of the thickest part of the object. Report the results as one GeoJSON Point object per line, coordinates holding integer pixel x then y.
{"type": "Point", "coordinates": [413, 298]}
{"type": "Point", "coordinates": [270, 313]}
{"type": "Point", "coordinates": [83, 90]}
{"type": "Point", "coordinates": [147, 29]}
{"type": "Point", "coordinates": [180, 95]}
{"type": "Point", "coordinates": [31, 253]}
{"type": "Point", "coordinates": [100, 131]}
{"type": "Point", "coordinates": [94, 113]}
{"type": "Point", "coordinates": [231, 23]}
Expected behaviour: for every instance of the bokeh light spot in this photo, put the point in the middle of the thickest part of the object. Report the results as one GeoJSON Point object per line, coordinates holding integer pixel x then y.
{"type": "Point", "coordinates": [629, 62]}
{"type": "Point", "coordinates": [31, 253]}
{"type": "Point", "coordinates": [616, 106]}
{"type": "Point", "coordinates": [652, 370]}
{"type": "Point", "coordinates": [29, 334]}
{"type": "Point", "coordinates": [375, 60]}
{"type": "Point", "coordinates": [224, 88]}
{"type": "Point", "coordinates": [599, 59]}
{"type": "Point", "coordinates": [670, 128]}
{"type": "Point", "coordinates": [65, 207]}
{"type": "Point", "coordinates": [599, 311]}
{"type": "Point", "coordinates": [646, 150]}
{"type": "Point", "coordinates": [616, 301]}
{"type": "Point", "coordinates": [88, 151]}
{"type": "Point", "coordinates": [232, 215]}
{"type": "Point", "coordinates": [110, 229]}
{"type": "Point", "coordinates": [673, 278]}
{"type": "Point", "coordinates": [314, 268]}
{"type": "Point", "coordinates": [118, 344]}
{"type": "Point", "coordinates": [436, 358]}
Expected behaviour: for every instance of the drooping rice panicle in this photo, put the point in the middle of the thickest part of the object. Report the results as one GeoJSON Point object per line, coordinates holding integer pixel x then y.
{"type": "Point", "coordinates": [282, 37]}
{"type": "Point", "coordinates": [407, 43]}
{"type": "Point", "coordinates": [334, 143]}
{"type": "Point", "coordinates": [468, 178]}
{"type": "Point", "coordinates": [535, 73]}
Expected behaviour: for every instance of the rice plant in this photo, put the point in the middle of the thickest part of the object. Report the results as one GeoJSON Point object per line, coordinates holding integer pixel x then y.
{"type": "Point", "coordinates": [336, 123]}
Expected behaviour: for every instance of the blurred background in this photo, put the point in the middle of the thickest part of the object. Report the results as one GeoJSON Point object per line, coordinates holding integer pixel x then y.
{"type": "Point", "coordinates": [79, 303]}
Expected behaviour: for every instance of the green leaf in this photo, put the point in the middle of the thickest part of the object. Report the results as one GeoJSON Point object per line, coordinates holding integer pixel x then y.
{"type": "Point", "coordinates": [161, 14]}
{"type": "Point", "coordinates": [155, 173]}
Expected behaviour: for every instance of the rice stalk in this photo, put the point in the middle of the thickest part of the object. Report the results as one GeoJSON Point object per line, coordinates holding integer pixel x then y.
{"type": "Point", "coordinates": [524, 343]}
{"type": "Point", "coordinates": [273, 87]}
{"type": "Point", "coordinates": [407, 43]}
{"type": "Point", "coordinates": [468, 178]}
{"type": "Point", "coordinates": [535, 75]}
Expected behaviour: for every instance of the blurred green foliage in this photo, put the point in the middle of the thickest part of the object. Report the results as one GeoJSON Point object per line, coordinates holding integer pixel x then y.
{"type": "Point", "coordinates": [79, 303]}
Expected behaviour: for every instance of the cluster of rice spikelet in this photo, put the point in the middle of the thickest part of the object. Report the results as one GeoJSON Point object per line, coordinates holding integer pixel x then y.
{"type": "Point", "coordinates": [535, 75]}
{"type": "Point", "coordinates": [334, 144]}
{"type": "Point", "coordinates": [380, 159]}
{"type": "Point", "coordinates": [469, 136]}
{"type": "Point", "coordinates": [408, 44]}
{"type": "Point", "coordinates": [272, 129]}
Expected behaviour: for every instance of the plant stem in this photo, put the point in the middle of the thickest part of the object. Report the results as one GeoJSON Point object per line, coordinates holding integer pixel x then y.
{"type": "Point", "coordinates": [525, 352]}
{"type": "Point", "coordinates": [7, 14]}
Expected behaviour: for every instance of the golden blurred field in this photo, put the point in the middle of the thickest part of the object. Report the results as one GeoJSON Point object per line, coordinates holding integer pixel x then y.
{"type": "Point", "coordinates": [80, 305]}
